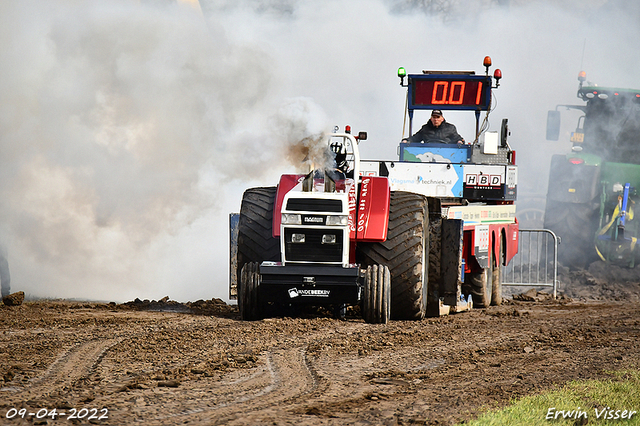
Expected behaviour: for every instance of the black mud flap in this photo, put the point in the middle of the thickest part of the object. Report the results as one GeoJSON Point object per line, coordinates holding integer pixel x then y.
{"type": "Point", "coordinates": [435, 257]}
{"type": "Point", "coordinates": [445, 265]}
{"type": "Point", "coordinates": [451, 286]}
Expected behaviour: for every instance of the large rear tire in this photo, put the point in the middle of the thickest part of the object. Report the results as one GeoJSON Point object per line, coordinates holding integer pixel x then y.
{"type": "Point", "coordinates": [405, 253]}
{"type": "Point", "coordinates": [255, 228]}
{"type": "Point", "coordinates": [572, 210]}
{"type": "Point", "coordinates": [576, 225]}
{"type": "Point", "coordinates": [377, 292]}
{"type": "Point", "coordinates": [249, 296]}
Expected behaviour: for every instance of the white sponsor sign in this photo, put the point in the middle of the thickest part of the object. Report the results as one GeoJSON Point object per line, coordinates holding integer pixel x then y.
{"type": "Point", "coordinates": [295, 292]}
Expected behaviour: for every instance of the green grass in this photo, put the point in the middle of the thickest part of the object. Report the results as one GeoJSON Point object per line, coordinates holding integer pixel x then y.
{"type": "Point", "coordinates": [621, 392]}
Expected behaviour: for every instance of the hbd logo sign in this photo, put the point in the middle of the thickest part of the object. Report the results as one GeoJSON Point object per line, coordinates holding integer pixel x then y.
{"type": "Point", "coordinates": [483, 180]}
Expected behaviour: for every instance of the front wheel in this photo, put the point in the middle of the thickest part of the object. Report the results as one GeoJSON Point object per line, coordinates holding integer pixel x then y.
{"type": "Point", "coordinates": [248, 299]}
{"type": "Point", "coordinates": [377, 294]}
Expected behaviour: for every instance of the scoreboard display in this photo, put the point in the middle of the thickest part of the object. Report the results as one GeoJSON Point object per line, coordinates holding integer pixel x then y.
{"type": "Point", "coordinates": [450, 92]}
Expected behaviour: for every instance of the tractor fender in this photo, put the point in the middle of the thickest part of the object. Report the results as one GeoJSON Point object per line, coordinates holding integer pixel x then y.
{"type": "Point", "coordinates": [372, 209]}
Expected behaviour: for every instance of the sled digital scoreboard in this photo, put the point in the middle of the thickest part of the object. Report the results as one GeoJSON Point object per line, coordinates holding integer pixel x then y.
{"type": "Point", "coordinates": [449, 92]}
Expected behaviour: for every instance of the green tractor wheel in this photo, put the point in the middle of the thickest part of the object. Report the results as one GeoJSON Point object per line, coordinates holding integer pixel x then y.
{"type": "Point", "coordinates": [576, 225]}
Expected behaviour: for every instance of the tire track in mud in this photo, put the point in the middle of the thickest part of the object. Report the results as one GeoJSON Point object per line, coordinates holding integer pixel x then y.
{"type": "Point", "coordinates": [286, 378]}
{"type": "Point", "coordinates": [72, 364]}
{"type": "Point", "coordinates": [442, 370]}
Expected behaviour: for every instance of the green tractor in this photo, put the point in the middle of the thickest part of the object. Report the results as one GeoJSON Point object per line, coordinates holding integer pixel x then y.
{"type": "Point", "coordinates": [593, 190]}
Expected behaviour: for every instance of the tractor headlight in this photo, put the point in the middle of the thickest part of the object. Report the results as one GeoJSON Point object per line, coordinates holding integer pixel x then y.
{"type": "Point", "coordinates": [291, 219]}
{"type": "Point", "coordinates": [328, 239]}
{"type": "Point", "coordinates": [338, 220]}
{"type": "Point", "coordinates": [298, 238]}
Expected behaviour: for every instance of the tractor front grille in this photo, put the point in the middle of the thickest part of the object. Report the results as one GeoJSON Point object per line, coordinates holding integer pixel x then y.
{"type": "Point", "coordinates": [312, 249]}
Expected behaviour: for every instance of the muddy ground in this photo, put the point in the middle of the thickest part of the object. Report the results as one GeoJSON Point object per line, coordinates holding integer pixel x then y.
{"type": "Point", "coordinates": [166, 363]}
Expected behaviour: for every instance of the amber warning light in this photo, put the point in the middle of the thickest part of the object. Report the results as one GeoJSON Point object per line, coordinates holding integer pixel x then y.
{"type": "Point", "coordinates": [486, 63]}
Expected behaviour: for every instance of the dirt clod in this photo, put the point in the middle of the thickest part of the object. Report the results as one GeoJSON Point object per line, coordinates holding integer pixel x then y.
{"type": "Point", "coordinates": [14, 299]}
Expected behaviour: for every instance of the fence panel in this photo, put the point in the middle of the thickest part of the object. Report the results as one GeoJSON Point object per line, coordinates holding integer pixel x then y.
{"type": "Point", "coordinates": [536, 263]}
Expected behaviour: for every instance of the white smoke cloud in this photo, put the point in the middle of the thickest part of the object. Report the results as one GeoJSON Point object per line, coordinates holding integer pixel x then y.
{"type": "Point", "coordinates": [129, 130]}
{"type": "Point", "coordinates": [107, 122]}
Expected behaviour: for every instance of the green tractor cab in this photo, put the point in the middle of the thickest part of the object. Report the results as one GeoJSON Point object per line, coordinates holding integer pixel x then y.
{"type": "Point", "coordinates": [592, 190]}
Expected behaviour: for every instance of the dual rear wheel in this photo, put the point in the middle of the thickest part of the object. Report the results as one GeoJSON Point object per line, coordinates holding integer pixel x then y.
{"type": "Point", "coordinates": [485, 286]}
{"type": "Point", "coordinates": [405, 252]}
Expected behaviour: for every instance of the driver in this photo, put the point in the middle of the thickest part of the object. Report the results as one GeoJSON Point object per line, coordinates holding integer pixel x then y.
{"type": "Point", "coordinates": [437, 130]}
{"type": "Point", "coordinates": [341, 169]}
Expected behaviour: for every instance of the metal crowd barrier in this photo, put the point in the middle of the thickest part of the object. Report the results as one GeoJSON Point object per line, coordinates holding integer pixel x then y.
{"type": "Point", "coordinates": [536, 263]}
